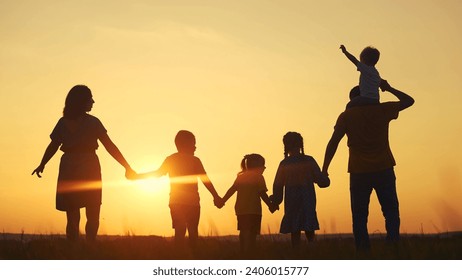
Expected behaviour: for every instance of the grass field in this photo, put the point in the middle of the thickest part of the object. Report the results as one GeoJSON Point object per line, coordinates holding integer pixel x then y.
{"type": "Point", "coordinates": [446, 246]}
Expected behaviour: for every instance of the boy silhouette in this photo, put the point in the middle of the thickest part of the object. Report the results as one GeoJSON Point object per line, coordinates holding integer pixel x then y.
{"type": "Point", "coordinates": [369, 79]}
{"type": "Point", "coordinates": [184, 169]}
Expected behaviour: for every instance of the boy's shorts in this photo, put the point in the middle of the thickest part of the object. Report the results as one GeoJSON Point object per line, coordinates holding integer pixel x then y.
{"type": "Point", "coordinates": [186, 216]}
{"type": "Point", "coordinates": [249, 222]}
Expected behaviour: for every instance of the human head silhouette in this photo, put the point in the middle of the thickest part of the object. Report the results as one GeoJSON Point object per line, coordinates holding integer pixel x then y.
{"type": "Point", "coordinates": [293, 143]}
{"type": "Point", "coordinates": [354, 92]}
{"type": "Point", "coordinates": [79, 100]}
{"type": "Point", "coordinates": [369, 56]}
{"type": "Point", "coordinates": [252, 161]}
{"type": "Point", "coordinates": [185, 142]}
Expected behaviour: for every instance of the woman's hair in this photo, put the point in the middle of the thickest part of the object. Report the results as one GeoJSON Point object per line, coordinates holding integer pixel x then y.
{"type": "Point", "coordinates": [76, 101]}
{"type": "Point", "coordinates": [252, 161]}
{"type": "Point", "coordinates": [292, 141]}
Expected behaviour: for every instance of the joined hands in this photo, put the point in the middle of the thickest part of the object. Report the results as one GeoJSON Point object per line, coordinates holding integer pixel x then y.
{"type": "Point", "coordinates": [218, 202]}
{"type": "Point", "coordinates": [130, 174]}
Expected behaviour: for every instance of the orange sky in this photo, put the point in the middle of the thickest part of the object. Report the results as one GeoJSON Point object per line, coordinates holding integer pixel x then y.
{"type": "Point", "coordinates": [239, 76]}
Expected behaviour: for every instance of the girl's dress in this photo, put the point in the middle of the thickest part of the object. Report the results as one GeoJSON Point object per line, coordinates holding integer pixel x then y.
{"type": "Point", "coordinates": [79, 180]}
{"type": "Point", "coordinates": [294, 182]}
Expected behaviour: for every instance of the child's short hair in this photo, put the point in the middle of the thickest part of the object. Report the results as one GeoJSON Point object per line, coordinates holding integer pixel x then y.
{"type": "Point", "coordinates": [184, 139]}
{"type": "Point", "coordinates": [252, 161]}
{"type": "Point", "coordinates": [370, 56]}
{"type": "Point", "coordinates": [292, 140]}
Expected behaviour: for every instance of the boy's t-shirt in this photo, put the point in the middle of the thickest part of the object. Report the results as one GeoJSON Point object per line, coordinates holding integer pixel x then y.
{"type": "Point", "coordinates": [183, 170]}
{"type": "Point", "coordinates": [369, 81]}
{"type": "Point", "coordinates": [249, 185]}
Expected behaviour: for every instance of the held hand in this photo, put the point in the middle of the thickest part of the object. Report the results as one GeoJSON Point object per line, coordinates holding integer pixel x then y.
{"type": "Point", "coordinates": [38, 171]}
{"type": "Point", "coordinates": [384, 85]}
{"type": "Point", "coordinates": [219, 203]}
{"type": "Point", "coordinates": [130, 174]}
{"type": "Point", "coordinates": [273, 207]}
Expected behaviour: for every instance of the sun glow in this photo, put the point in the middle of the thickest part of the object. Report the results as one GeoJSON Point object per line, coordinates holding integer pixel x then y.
{"type": "Point", "coordinates": [152, 186]}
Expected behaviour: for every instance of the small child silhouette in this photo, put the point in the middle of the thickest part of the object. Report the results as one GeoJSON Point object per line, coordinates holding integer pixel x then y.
{"type": "Point", "coordinates": [369, 79]}
{"type": "Point", "coordinates": [251, 189]}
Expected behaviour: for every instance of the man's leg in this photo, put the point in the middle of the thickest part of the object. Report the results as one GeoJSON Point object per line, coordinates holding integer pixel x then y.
{"type": "Point", "coordinates": [360, 193]}
{"type": "Point", "coordinates": [388, 198]}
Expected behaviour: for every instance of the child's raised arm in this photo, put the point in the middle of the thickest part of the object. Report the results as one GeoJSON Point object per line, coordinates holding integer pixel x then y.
{"type": "Point", "coordinates": [351, 57]}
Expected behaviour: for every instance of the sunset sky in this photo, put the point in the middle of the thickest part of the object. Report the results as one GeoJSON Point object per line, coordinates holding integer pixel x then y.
{"type": "Point", "coordinates": [239, 75]}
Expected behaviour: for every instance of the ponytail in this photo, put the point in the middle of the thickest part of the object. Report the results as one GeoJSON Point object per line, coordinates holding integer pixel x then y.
{"type": "Point", "coordinates": [251, 161]}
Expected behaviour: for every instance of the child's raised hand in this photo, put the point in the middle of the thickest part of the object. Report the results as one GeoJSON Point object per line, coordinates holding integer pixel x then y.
{"type": "Point", "coordinates": [342, 47]}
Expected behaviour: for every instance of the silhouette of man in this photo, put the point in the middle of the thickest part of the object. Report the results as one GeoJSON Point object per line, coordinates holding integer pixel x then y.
{"type": "Point", "coordinates": [370, 162]}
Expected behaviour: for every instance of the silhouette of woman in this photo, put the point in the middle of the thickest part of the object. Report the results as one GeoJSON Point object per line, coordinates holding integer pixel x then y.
{"type": "Point", "coordinates": [79, 180]}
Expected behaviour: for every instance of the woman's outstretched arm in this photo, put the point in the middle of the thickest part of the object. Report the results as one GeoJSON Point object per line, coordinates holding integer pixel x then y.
{"type": "Point", "coordinates": [116, 154]}
{"type": "Point", "coordinates": [49, 153]}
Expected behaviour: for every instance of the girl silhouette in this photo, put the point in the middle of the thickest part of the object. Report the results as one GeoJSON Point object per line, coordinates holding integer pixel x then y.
{"type": "Point", "coordinates": [294, 182]}
{"type": "Point", "coordinates": [251, 189]}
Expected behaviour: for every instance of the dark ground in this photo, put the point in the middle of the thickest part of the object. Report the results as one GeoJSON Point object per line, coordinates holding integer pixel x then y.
{"type": "Point", "coordinates": [447, 246]}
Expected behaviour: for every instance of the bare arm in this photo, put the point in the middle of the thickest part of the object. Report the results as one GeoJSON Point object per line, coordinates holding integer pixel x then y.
{"type": "Point", "coordinates": [351, 57]}
{"type": "Point", "coordinates": [156, 173]}
{"type": "Point", "coordinates": [116, 154]}
{"type": "Point", "coordinates": [208, 184]}
{"type": "Point", "coordinates": [266, 199]}
{"type": "Point", "coordinates": [50, 151]}
{"type": "Point", "coordinates": [229, 193]}
{"type": "Point", "coordinates": [217, 200]}
{"type": "Point", "coordinates": [278, 186]}
{"type": "Point", "coordinates": [405, 100]}
{"type": "Point", "coordinates": [271, 205]}
{"type": "Point", "coordinates": [331, 149]}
